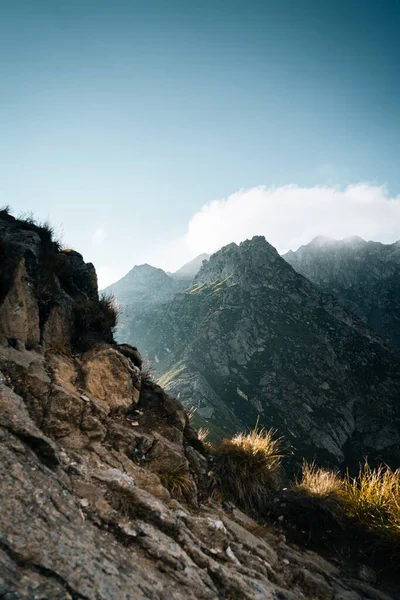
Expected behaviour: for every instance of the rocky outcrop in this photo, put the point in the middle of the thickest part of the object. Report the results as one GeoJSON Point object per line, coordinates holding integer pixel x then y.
{"type": "Point", "coordinates": [254, 339]}
{"type": "Point", "coordinates": [363, 276]}
{"type": "Point", "coordinates": [83, 512]}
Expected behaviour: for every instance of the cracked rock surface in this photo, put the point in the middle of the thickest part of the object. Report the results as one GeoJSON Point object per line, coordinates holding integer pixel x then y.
{"type": "Point", "coordinates": [82, 516]}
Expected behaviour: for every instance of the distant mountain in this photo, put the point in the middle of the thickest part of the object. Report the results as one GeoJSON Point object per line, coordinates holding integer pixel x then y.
{"type": "Point", "coordinates": [190, 269]}
{"type": "Point", "coordinates": [143, 291]}
{"type": "Point", "coordinates": [252, 337]}
{"type": "Point", "coordinates": [140, 294]}
{"type": "Point", "coordinates": [364, 276]}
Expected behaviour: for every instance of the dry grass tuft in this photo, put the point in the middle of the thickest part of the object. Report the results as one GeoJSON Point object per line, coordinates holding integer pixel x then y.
{"type": "Point", "coordinates": [203, 433]}
{"type": "Point", "coordinates": [373, 498]}
{"type": "Point", "coordinates": [166, 380]}
{"type": "Point", "coordinates": [177, 481]}
{"type": "Point", "coordinates": [248, 466]}
{"type": "Point", "coordinates": [191, 413]}
{"type": "Point", "coordinates": [320, 482]}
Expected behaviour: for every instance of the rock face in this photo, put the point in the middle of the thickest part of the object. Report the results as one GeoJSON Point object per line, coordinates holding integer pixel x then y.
{"type": "Point", "coordinates": [86, 443]}
{"type": "Point", "coordinates": [253, 337]}
{"type": "Point", "coordinates": [364, 276]}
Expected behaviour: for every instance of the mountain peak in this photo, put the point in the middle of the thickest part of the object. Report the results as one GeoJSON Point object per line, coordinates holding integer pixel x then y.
{"type": "Point", "coordinates": [321, 240]}
{"type": "Point", "coordinates": [354, 240]}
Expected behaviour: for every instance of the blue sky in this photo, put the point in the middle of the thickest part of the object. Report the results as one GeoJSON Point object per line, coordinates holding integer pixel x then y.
{"type": "Point", "coordinates": [120, 120]}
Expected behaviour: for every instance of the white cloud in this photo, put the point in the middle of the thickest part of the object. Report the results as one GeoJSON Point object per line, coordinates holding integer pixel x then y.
{"type": "Point", "coordinates": [99, 235]}
{"type": "Point", "coordinates": [290, 216]}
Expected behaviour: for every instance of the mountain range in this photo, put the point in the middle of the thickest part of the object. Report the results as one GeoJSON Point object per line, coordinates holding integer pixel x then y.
{"type": "Point", "coordinates": [251, 340]}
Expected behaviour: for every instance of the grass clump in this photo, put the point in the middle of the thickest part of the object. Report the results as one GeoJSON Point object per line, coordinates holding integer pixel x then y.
{"type": "Point", "coordinates": [319, 482]}
{"type": "Point", "coordinates": [121, 500]}
{"type": "Point", "coordinates": [166, 380]}
{"type": "Point", "coordinates": [203, 433]}
{"type": "Point", "coordinates": [177, 481]}
{"type": "Point", "coordinates": [370, 500]}
{"type": "Point", "coordinates": [373, 498]}
{"type": "Point", "coordinates": [248, 466]}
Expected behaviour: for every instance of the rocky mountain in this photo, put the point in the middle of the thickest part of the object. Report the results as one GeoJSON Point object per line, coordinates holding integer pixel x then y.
{"type": "Point", "coordinates": [252, 339]}
{"type": "Point", "coordinates": [92, 452]}
{"type": "Point", "coordinates": [88, 447]}
{"type": "Point", "coordinates": [140, 296]}
{"type": "Point", "coordinates": [364, 276]}
{"type": "Point", "coordinates": [143, 291]}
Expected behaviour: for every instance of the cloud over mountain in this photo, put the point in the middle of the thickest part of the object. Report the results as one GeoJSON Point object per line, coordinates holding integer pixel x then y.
{"type": "Point", "coordinates": [290, 216]}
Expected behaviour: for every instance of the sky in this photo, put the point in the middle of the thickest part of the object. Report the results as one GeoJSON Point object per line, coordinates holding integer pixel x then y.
{"type": "Point", "coordinates": [152, 131]}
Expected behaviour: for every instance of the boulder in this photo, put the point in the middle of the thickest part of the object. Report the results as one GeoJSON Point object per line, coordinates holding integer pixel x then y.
{"type": "Point", "coordinates": [111, 378]}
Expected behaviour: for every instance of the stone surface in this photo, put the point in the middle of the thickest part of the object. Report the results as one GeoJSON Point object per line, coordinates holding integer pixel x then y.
{"type": "Point", "coordinates": [111, 378]}
{"type": "Point", "coordinates": [19, 312]}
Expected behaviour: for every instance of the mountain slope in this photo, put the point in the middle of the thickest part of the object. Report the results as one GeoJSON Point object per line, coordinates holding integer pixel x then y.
{"type": "Point", "coordinates": [253, 337]}
{"type": "Point", "coordinates": [364, 276]}
{"type": "Point", "coordinates": [140, 295]}
{"type": "Point", "coordinates": [143, 291]}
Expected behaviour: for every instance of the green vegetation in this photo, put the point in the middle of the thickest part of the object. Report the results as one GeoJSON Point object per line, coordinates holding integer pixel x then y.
{"type": "Point", "coordinates": [177, 481]}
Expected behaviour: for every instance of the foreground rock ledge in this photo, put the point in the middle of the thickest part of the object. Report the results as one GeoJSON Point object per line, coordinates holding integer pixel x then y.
{"type": "Point", "coordinates": [83, 514]}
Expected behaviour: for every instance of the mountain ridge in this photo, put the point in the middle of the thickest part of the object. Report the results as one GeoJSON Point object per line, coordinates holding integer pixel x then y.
{"type": "Point", "coordinates": [252, 337]}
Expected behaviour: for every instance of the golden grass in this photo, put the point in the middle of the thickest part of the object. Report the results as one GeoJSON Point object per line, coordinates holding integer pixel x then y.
{"type": "Point", "coordinates": [248, 465]}
{"type": "Point", "coordinates": [318, 481]}
{"type": "Point", "coordinates": [177, 481]}
{"type": "Point", "coordinates": [203, 433]}
{"type": "Point", "coordinates": [372, 498]}
{"type": "Point", "coordinates": [191, 413]}
{"type": "Point", "coordinates": [166, 380]}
